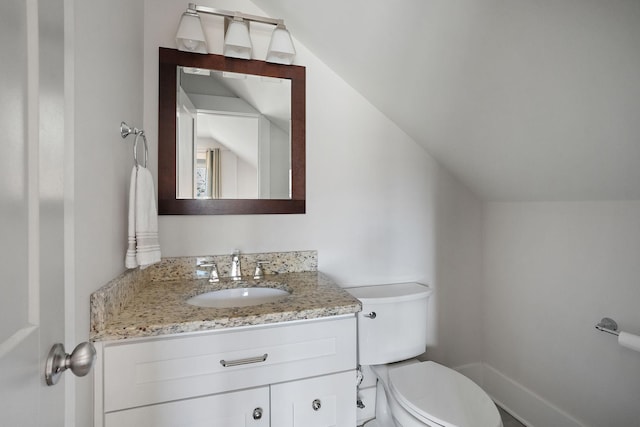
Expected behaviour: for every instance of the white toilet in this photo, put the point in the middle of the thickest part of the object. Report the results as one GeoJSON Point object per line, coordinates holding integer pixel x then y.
{"type": "Point", "coordinates": [392, 327]}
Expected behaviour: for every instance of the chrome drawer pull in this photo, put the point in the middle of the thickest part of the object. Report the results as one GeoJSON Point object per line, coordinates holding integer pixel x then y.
{"type": "Point", "coordinates": [246, 361]}
{"type": "Point", "coordinates": [257, 413]}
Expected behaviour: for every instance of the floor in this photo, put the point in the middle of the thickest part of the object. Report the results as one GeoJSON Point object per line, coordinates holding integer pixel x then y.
{"type": "Point", "coordinates": [508, 420]}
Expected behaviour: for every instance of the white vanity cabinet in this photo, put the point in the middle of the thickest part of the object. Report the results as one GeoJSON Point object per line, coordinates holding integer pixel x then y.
{"type": "Point", "coordinates": [298, 373]}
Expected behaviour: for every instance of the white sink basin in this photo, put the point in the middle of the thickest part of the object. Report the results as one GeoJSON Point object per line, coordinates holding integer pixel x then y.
{"type": "Point", "coordinates": [237, 297]}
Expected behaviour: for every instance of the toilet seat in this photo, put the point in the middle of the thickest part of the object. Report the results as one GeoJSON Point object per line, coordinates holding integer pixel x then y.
{"type": "Point", "coordinates": [435, 394]}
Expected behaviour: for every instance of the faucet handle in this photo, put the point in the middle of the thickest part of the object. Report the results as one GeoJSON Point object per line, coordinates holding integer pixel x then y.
{"type": "Point", "coordinates": [259, 272]}
{"type": "Point", "coordinates": [206, 264]}
{"type": "Point", "coordinates": [213, 276]}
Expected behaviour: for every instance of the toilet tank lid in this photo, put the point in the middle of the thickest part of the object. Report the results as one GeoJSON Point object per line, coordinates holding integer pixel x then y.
{"type": "Point", "coordinates": [391, 292]}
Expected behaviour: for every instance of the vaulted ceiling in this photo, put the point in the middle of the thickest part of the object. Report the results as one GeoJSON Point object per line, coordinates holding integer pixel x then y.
{"type": "Point", "coordinates": [520, 99]}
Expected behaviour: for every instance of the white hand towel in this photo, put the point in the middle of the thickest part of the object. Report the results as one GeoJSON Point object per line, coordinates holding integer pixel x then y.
{"type": "Point", "coordinates": [143, 247]}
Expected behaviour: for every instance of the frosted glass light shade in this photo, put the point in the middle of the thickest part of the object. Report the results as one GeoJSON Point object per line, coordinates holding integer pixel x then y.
{"type": "Point", "coordinates": [281, 49]}
{"type": "Point", "coordinates": [237, 42]}
{"type": "Point", "coordinates": [190, 36]}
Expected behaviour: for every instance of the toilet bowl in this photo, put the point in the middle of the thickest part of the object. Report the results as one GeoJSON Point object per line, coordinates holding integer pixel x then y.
{"type": "Point", "coordinates": [409, 393]}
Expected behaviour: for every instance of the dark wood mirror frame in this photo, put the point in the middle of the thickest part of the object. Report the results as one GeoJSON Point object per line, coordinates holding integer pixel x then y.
{"type": "Point", "coordinates": [168, 204]}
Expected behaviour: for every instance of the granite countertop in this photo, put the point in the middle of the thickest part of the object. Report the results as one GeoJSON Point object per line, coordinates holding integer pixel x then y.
{"type": "Point", "coordinates": [159, 307]}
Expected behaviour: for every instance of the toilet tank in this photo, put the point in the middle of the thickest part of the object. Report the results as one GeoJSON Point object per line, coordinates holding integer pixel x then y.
{"type": "Point", "coordinates": [398, 330]}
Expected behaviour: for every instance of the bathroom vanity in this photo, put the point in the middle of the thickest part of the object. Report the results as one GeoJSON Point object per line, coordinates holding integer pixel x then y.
{"type": "Point", "coordinates": [163, 362]}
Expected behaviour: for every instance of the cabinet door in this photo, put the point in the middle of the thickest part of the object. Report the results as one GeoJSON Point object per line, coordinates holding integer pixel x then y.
{"type": "Point", "coordinates": [325, 401]}
{"type": "Point", "coordinates": [248, 408]}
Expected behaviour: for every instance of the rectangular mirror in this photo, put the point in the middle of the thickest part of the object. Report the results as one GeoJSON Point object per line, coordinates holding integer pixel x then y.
{"type": "Point", "coordinates": [231, 135]}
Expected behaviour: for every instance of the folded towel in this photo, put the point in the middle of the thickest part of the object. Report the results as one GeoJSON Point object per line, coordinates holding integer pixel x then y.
{"type": "Point", "coordinates": [143, 248]}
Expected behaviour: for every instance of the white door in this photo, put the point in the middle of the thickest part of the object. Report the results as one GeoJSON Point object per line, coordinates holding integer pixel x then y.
{"type": "Point", "coordinates": [31, 209]}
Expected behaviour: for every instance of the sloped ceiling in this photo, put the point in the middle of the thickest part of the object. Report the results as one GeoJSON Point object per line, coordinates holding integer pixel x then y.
{"type": "Point", "coordinates": [520, 99]}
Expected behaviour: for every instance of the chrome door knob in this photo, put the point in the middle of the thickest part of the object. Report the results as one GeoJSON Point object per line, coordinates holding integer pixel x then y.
{"type": "Point", "coordinates": [316, 405]}
{"type": "Point", "coordinates": [79, 361]}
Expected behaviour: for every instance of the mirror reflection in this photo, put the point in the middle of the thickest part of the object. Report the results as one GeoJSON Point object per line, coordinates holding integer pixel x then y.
{"type": "Point", "coordinates": [233, 136]}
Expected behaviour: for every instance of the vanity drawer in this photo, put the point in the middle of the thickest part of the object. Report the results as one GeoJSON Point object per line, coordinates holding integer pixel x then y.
{"type": "Point", "coordinates": [171, 368]}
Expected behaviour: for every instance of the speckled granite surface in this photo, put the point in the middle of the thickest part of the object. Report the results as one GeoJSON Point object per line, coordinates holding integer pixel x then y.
{"type": "Point", "coordinates": [152, 302]}
{"type": "Point", "coordinates": [110, 299]}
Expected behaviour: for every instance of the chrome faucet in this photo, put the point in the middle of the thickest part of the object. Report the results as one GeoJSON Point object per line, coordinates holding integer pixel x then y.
{"type": "Point", "coordinates": [258, 274]}
{"type": "Point", "coordinates": [213, 275]}
{"type": "Point", "coordinates": [236, 271]}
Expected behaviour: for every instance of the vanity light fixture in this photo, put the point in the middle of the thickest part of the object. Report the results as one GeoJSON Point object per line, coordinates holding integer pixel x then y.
{"type": "Point", "coordinates": [237, 42]}
{"type": "Point", "coordinates": [190, 36]}
{"type": "Point", "coordinates": [281, 50]}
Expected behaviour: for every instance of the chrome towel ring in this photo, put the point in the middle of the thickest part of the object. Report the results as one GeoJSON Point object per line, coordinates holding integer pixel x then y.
{"type": "Point", "coordinates": [125, 131]}
{"type": "Point", "coordinates": [135, 149]}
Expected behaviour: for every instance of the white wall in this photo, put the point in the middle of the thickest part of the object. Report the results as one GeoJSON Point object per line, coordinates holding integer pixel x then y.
{"type": "Point", "coordinates": [106, 89]}
{"type": "Point", "coordinates": [552, 271]}
{"type": "Point", "coordinates": [379, 208]}
{"type": "Point", "coordinates": [458, 265]}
